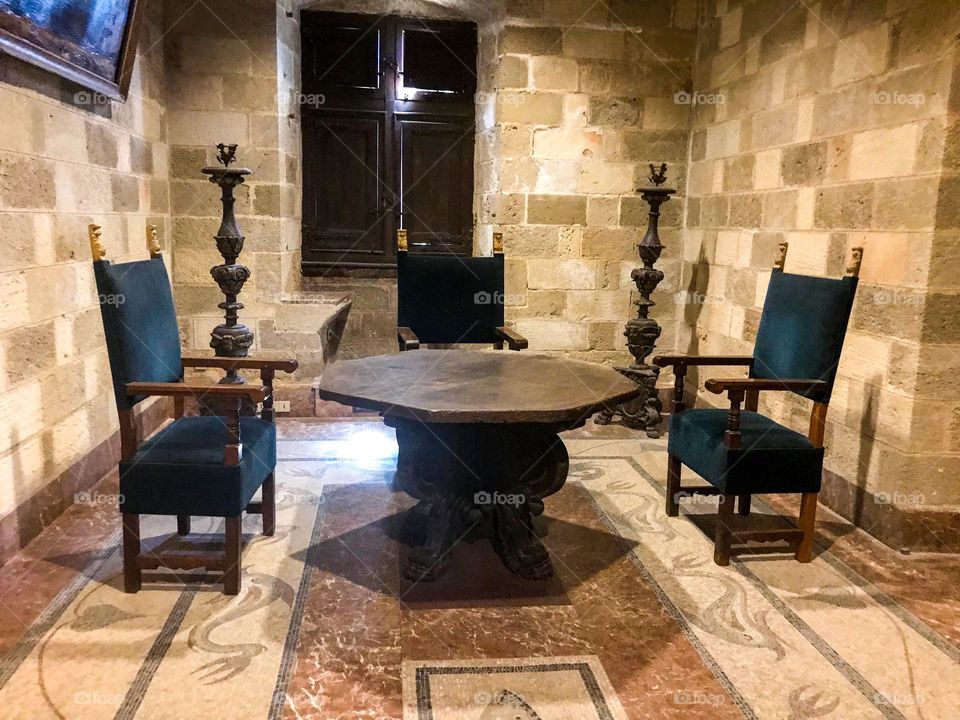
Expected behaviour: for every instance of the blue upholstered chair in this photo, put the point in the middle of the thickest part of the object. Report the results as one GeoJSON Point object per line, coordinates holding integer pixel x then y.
{"type": "Point", "coordinates": [448, 300]}
{"type": "Point", "coordinates": [207, 466]}
{"type": "Point", "coordinates": [741, 453]}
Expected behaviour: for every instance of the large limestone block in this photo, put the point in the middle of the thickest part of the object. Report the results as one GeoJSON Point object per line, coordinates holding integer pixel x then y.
{"type": "Point", "coordinates": [530, 40]}
{"type": "Point", "coordinates": [804, 164]}
{"type": "Point", "coordinates": [606, 178]}
{"type": "Point", "coordinates": [844, 206]}
{"type": "Point", "coordinates": [580, 274]}
{"type": "Point", "coordinates": [603, 210]}
{"type": "Point", "coordinates": [203, 54]}
{"type": "Point", "coordinates": [723, 140]}
{"type": "Point", "coordinates": [189, 127]}
{"type": "Point", "coordinates": [609, 243]}
{"type": "Point", "coordinates": [598, 304]}
{"type": "Point", "coordinates": [861, 55]}
{"type": "Point", "coordinates": [912, 203]}
{"type": "Point", "coordinates": [776, 126]}
{"type": "Point", "coordinates": [530, 107]}
{"type": "Point", "coordinates": [557, 209]}
{"type": "Point", "coordinates": [550, 334]}
{"type": "Point", "coordinates": [887, 152]}
{"type": "Point", "coordinates": [27, 182]}
{"type": "Point", "coordinates": [580, 42]}
{"type": "Point", "coordinates": [512, 72]}
{"type": "Point", "coordinates": [554, 73]}
{"type": "Point", "coordinates": [62, 131]}
{"type": "Point", "coordinates": [569, 143]}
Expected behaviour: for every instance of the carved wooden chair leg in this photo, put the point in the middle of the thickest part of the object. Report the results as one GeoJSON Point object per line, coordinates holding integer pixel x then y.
{"type": "Point", "coordinates": [131, 552]}
{"type": "Point", "coordinates": [673, 486]}
{"type": "Point", "coordinates": [231, 564]}
{"type": "Point", "coordinates": [268, 506]}
{"type": "Point", "coordinates": [743, 504]}
{"type": "Point", "coordinates": [723, 538]}
{"type": "Point", "coordinates": [183, 524]}
{"type": "Point", "coordinates": [808, 521]}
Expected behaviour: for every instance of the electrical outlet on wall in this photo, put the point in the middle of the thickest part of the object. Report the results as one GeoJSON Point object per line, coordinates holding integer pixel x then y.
{"type": "Point", "coordinates": [281, 406]}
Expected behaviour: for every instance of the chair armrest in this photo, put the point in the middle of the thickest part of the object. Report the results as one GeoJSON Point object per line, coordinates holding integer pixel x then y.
{"type": "Point", "coordinates": [515, 341]}
{"type": "Point", "coordinates": [408, 339]}
{"type": "Point", "coordinates": [224, 363]}
{"type": "Point", "coordinates": [680, 364]}
{"type": "Point", "coordinates": [665, 360]}
{"type": "Point", "coordinates": [254, 393]}
{"type": "Point", "coordinates": [719, 385]}
{"type": "Point", "coordinates": [229, 406]}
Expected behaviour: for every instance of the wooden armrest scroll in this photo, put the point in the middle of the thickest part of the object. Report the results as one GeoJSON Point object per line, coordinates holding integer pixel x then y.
{"type": "Point", "coordinates": [720, 385]}
{"type": "Point", "coordinates": [689, 360]}
{"type": "Point", "coordinates": [223, 363]}
{"type": "Point", "coordinates": [256, 394]}
{"type": "Point", "coordinates": [515, 341]}
{"type": "Point", "coordinates": [408, 339]}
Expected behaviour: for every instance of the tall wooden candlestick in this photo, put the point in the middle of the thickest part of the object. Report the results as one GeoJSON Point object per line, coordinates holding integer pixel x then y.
{"type": "Point", "coordinates": [231, 338]}
{"type": "Point", "coordinates": [642, 331]}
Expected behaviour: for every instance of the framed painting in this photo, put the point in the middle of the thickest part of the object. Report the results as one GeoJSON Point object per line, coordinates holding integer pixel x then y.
{"type": "Point", "coordinates": [91, 42]}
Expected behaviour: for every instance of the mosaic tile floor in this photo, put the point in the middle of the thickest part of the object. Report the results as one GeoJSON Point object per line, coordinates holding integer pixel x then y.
{"type": "Point", "coordinates": [637, 623]}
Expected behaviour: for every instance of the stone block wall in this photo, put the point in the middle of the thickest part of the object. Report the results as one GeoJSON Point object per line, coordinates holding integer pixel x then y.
{"type": "Point", "coordinates": [831, 125]}
{"type": "Point", "coordinates": [68, 158]}
{"type": "Point", "coordinates": [576, 99]}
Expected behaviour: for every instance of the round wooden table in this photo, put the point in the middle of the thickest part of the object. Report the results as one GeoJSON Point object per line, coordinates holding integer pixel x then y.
{"type": "Point", "coordinates": [478, 444]}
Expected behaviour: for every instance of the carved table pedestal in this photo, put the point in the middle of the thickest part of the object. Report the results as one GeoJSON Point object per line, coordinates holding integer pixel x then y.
{"type": "Point", "coordinates": [478, 442]}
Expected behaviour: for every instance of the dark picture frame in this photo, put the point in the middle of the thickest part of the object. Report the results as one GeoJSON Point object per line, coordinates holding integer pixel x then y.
{"type": "Point", "coordinates": [44, 47]}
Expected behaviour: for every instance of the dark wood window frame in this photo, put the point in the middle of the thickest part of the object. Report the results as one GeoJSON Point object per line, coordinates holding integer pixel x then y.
{"type": "Point", "coordinates": [388, 122]}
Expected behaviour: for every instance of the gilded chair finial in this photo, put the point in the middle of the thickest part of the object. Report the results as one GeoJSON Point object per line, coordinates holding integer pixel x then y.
{"type": "Point", "coordinates": [498, 243]}
{"type": "Point", "coordinates": [97, 249]}
{"type": "Point", "coordinates": [856, 257]}
{"type": "Point", "coordinates": [153, 243]}
{"type": "Point", "coordinates": [402, 240]}
{"type": "Point", "coordinates": [781, 260]}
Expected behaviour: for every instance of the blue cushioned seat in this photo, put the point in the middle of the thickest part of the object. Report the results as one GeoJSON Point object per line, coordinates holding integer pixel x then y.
{"type": "Point", "coordinates": [772, 458]}
{"type": "Point", "coordinates": [180, 470]}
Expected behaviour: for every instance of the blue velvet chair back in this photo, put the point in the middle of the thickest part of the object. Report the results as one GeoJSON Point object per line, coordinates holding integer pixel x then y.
{"type": "Point", "coordinates": [446, 299]}
{"type": "Point", "coordinates": [802, 329]}
{"type": "Point", "coordinates": [140, 325]}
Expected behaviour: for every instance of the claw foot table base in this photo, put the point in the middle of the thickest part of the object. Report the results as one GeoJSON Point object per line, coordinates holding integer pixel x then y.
{"type": "Point", "coordinates": [478, 480]}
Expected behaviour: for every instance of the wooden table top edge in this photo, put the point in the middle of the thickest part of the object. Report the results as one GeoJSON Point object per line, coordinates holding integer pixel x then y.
{"type": "Point", "coordinates": [554, 416]}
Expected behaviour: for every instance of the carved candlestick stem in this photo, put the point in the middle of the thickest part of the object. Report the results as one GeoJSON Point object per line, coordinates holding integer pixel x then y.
{"type": "Point", "coordinates": [642, 331]}
{"type": "Point", "coordinates": [231, 338]}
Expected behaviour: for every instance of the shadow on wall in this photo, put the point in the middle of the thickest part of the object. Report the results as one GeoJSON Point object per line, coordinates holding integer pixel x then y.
{"type": "Point", "coordinates": [692, 310]}
{"type": "Point", "coordinates": [868, 429]}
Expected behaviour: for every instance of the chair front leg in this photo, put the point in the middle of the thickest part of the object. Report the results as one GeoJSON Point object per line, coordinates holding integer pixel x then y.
{"type": "Point", "coordinates": [131, 552]}
{"type": "Point", "coordinates": [673, 486]}
{"type": "Point", "coordinates": [679, 375]}
{"type": "Point", "coordinates": [231, 565]}
{"type": "Point", "coordinates": [268, 507]}
{"type": "Point", "coordinates": [183, 524]}
{"type": "Point", "coordinates": [808, 521]}
{"type": "Point", "coordinates": [723, 538]}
